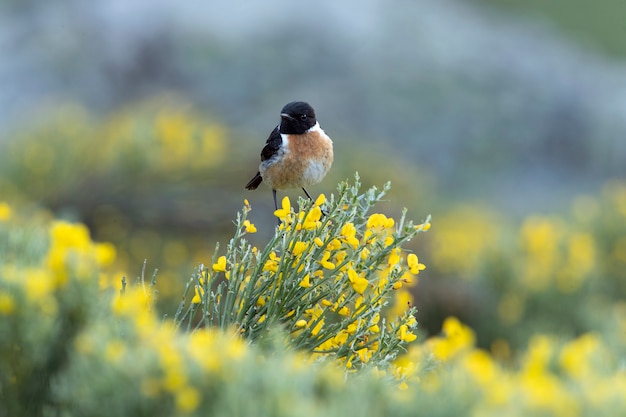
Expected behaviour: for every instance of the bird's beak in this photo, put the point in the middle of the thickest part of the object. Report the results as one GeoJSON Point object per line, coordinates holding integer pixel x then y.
{"type": "Point", "coordinates": [286, 116]}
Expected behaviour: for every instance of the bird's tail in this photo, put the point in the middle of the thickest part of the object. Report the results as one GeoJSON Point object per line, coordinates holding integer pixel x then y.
{"type": "Point", "coordinates": [254, 182]}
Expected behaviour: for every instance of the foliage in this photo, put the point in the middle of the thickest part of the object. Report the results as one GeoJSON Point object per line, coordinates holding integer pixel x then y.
{"type": "Point", "coordinates": [558, 274]}
{"type": "Point", "coordinates": [76, 347]}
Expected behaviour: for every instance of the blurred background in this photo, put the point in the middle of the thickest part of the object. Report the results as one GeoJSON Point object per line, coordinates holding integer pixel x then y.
{"type": "Point", "coordinates": [505, 120]}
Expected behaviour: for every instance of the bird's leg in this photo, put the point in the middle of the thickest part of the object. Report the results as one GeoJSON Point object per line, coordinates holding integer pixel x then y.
{"type": "Point", "coordinates": [275, 203]}
{"type": "Point", "coordinates": [307, 194]}
{"type": "Point", "coordinates": [324, 212]}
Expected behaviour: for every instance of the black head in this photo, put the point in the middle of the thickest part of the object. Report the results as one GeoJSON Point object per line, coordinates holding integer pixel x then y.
{"type": "Point", "coordinates": [296, 118]}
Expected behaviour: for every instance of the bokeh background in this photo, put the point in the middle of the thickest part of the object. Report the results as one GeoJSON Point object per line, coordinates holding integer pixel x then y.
{"type": "Point", "coordinates": [504, 120]}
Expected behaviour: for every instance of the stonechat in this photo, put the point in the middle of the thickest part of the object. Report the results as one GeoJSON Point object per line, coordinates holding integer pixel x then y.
{"type": "Point", "coordinates": [297, 153]}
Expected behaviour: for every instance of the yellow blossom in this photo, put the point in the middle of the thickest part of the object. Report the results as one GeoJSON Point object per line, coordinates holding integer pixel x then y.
{"type": "Point", "coordinates": [220, 266]}
{"type": "Point", "coordinates": [317, 327]}
{"type": "Point", "coordinates": [359, 284]}
{"type": "Point", "coordinates": [312, 219]}
{"type": "Point", "coordinates": [333, 245]}
{"type": "Point", "coordinates": [7, 304]}
{"type": "Point", "coordinates": [285, 210]}
{"type": "Point", "coordinates": [457, 338]}
{"type": "Point", "coordinates": [318, 242]}
{"type": "Point", "coordinates": [305, 282]}
{"type": "Point", "coordinates": [379, 221]}
{"type": "Point", "coordinates": [105, 253]}
{"type": "Point", "coordinates": [272, 263]}
{"type": "Point", "coordinates": [348, 234]}
{"type": "Point", "coordinates": [324, 261]}
{"type": "Point", "coordinates": [321, 199]}
{"type": "Point", "coordinates": [364, 355]}
{"type": "Point", "coordinates": [187, 399]}
{"type": "Point", "coordinates": [422, 227]}
{"type": "Point", "coordinates": [301, 323]}
{"type": "Point", "coordinates": [299, 247]}
{"type": "Point", "coordinates": [199, 292]}
{"type": "Point", "coordinates": [414, 266]}
{"type": "Point", "coordinates": [394, 257]}
{"type": "Point", "coordinates": [249, 227]}
{"type": "Point", "coordinates": [5, 211]}
{"type": "Point", "coordinates": [405, 334]}
{"type": "Point", "coordinates": [576, 356]}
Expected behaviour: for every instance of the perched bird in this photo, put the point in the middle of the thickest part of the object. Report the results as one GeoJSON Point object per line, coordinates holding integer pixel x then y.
{"type": "Point", "coordinates": [297, 153]}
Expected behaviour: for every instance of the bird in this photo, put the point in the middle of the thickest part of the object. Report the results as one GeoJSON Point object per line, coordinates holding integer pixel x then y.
{"type": "Point", "coordinates": [297, 153]}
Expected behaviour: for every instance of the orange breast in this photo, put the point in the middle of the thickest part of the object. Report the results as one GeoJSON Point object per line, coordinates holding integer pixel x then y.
{"type": "Point", "coordinates": [306, 160]}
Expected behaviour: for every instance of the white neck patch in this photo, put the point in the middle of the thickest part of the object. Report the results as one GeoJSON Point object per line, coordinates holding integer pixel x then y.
{"type": "Point", "coordinates": [315, 128]}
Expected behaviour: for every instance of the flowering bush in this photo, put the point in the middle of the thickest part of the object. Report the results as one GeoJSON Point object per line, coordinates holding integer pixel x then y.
{"type": "Point", "coordinates": [324, 277]}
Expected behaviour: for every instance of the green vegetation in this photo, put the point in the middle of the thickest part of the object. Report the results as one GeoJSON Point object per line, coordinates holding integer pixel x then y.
{"type": "Point", "coordinates": [515, 318]}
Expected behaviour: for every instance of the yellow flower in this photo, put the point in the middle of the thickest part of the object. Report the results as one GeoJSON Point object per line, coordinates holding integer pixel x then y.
{"type": "Point", "coordinates": [318, 242]}
{"type": "Point", "coordinates": [325, 263]}
{"type": "Point", "coordinates": [199, 292]}
{"type": "Point", "coordinates": [422, 227]}
{"type": "Point", "coordinates": [348, 235]}
{"type": "Point", "coordinates": [320, 200]}
{"type": "Point", "coordinates": [305, 283]}
{"type": "Point", "coordinates": [7, 304]}
{"type": "Point", "coordinates": [394, 257]}
{"type": "Point", "coordinates": [576, 356]}
{"type": "Point", "coordinates": [481, 367]}
{"type": "Point", "coordinates": [317, 327]}
{"type": "Point", "coordinates": [379, 221]}
{"type": "Point", "coordinates": [312, 219]}
{"type": "Point", "coordinates": [333, 245]}
{"type": "Point", "coordinates": [285, 211]}
{"type": "Point", "coordinates": [5, 212]}
{"type": "Point", "coordinates": [364, 355]}
{"type": "Point", "coordinates": [105, 253]}
{"type": "Point", "coordinates": [344, 311]}
{"type": "Point", "coordinates": [406, 335]}
{"type": "Point", "coordinates": [340, 338]}
{"type": "Point", "coordinates": [414, 266]}
{"type": "Point", "coordinates": [359, 284]}
{"type": "Point", "coordinates": [458, 338]}
{"type": "Point", "coordinates": [272, 263]}
{"type": "Point", "coordinates": [298, 248]}
{"type": "Point", "coordinates": [249, 227]}
{"type": "Point", "coordinates": [301, 323]}
{"type": "Point", "coordinates": [187, 399]}
{"type": "Point", "coordinates": [220, 266]}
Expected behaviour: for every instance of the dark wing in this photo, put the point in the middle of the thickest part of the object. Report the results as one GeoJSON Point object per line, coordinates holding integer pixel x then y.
{"type": "Point", "coordinates": [272, 145]}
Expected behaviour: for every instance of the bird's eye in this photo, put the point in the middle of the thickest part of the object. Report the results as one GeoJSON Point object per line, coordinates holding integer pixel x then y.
{"type": "Point", "coordinates": [303, 117]}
